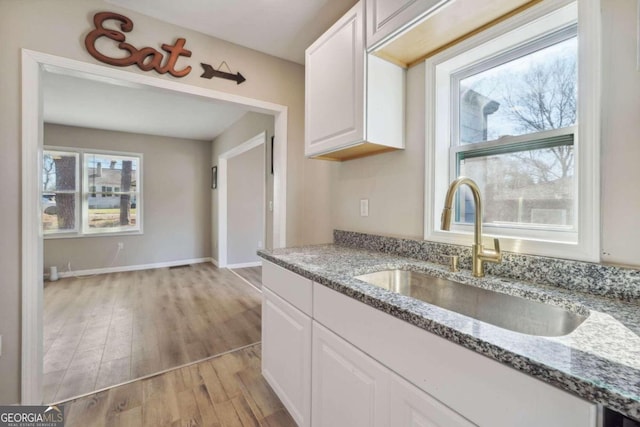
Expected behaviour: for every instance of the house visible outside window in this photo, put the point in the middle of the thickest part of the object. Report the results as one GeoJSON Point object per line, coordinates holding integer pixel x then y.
{"type": "Point", "coordinates": [513, 133]}
{"type": "Point", "coordinates": [106, 202]}
{"type": "Point", "coordinates": [507, 111]}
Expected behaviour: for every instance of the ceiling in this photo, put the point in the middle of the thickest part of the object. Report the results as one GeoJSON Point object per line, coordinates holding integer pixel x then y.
{"type": "Point", "coordinates": [88, 102]}
{"type": "Point", "coordinates": [282, 28]}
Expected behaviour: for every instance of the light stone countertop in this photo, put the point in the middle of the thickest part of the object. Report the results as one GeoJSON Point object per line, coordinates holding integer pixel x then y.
{"type": "Point", "coordinates": [599, 361]}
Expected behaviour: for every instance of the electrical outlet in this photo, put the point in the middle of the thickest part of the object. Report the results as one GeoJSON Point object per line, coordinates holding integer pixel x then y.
{"type": "Point", "coordinates": [120, 245]}
{"type": "Point", "coordinates": [270, 205]}
{"type": "Point", "coordinates": [259, 244]}
{"type": "Point", "coordinates": [0, 345]}
{"type": "Point", "coordinates": [364, 207]}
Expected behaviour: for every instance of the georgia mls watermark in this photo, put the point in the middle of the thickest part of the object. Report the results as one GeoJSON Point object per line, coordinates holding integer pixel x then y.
{"type": "Point", "coordinates": [31, 416]}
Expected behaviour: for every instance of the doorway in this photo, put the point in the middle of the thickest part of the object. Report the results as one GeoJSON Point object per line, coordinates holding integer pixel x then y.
{"type": "Point", "coordinates": [33, 65]}
{"type": "Point", "coordinates": [241, 203]}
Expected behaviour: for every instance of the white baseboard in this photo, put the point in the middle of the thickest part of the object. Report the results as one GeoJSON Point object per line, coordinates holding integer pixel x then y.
{"type": "Point", "coordinates": [119, 269]}
{"type": "Point", "coordinates": [245, 265]}
{"type": "Point", "coordinates": [214, 262]}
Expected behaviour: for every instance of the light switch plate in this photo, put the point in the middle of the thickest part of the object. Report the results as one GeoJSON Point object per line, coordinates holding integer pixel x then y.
{"type": "Point", "coordinates": [364, 207]}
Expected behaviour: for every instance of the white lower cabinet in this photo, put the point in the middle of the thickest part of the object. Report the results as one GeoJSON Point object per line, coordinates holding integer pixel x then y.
{"type": "Point", "coordinates": [349, 388]}
{"type": "Point", "coordinates": [411, 407]}
{"type": "Point", "coordinates": [336, 362]}
{"type": "Point", "coordinates": [286, 355]}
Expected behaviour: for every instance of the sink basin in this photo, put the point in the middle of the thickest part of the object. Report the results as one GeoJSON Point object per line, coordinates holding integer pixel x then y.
{"type": "Point", "coordinates": [506, 311]}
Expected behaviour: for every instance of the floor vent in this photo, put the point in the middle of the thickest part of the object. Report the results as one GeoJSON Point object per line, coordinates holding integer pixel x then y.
{"type": "Point", "coordinates": [180, 266]}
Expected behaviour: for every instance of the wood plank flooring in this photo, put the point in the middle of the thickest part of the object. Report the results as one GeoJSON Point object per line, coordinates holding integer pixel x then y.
{"type": "Point", "coordinates": [112, 328]}
{"type": "Point", "coordinates": [225, 391]}
{"type": "Point", "coordinates": [252, 275]}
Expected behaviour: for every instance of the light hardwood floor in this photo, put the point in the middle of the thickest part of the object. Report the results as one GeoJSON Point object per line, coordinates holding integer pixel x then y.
{"type": "Point", "coordinates": [225, 391]}
{"type": "Point", "coordinates": [252, 275]}
{"type": "Point", "coordinates": [112, 328]}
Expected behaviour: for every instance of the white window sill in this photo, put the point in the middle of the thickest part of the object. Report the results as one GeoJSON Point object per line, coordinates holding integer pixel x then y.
{"type": "Point", "coordinates": [80, 236]}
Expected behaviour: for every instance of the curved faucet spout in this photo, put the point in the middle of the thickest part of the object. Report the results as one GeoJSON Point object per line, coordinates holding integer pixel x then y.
{"type": "Point", "coordinates": [480, 255]}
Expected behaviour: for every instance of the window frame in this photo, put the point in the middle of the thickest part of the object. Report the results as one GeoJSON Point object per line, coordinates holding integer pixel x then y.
{"type": "Point", "coordinates": [84, 192]}
{"type": "Point", "coordinates": [536, 23]}
{"type": "Point", "coordinates": [77, 192]}
{"type": "Point", "coordinates": [110, 192]}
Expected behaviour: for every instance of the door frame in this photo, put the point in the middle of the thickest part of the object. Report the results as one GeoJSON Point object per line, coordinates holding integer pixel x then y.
{"type": "Point", "coordinates": [34, 64]}
{"type": "Point", "coordinates": [223, 231]}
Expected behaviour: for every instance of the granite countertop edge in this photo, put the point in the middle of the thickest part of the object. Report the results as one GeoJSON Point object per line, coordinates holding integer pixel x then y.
{"type": "Point", "coordinates": [584, 388]}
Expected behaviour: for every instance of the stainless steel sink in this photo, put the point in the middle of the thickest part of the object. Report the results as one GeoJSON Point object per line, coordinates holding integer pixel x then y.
{"type": "Point", "coordinates": [506, 311]}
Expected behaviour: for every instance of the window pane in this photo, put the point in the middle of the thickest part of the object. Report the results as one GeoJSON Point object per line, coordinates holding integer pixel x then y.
{"type": "Point", "coordinates": [112, 212]}
{"type": "Point", "coordinates": [533, 93]}
{"type": "Point", "coordinates": [58, 212]}
{"type": "Point", "coordinates": [106, 172]}
{"type": "Point", "coordinates": [59, 171]}
{"type": "Point", "coordinates": [112, 206]}
{"type": "Point", "coordinates": [531, 187]}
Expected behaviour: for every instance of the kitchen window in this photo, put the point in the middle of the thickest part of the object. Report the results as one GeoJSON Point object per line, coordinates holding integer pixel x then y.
{"type": "Point", "coordinates": [106, 202]}
{"type": "Point", "coordinates": [512, 110]}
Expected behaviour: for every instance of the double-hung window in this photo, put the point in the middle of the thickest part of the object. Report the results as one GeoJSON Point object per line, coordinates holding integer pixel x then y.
{"type": "Point", "coordinates": [60, 199]}
{"type": "Point", "coordinates": [90, 192]}
{"type": "Point", "coordinates": [507, 113]}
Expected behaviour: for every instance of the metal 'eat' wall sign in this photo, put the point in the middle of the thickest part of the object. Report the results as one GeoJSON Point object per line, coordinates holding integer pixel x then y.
{"type": "Point", "coordinates": [146, 58]}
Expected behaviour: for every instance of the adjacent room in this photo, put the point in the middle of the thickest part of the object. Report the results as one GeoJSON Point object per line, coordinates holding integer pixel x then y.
{"type": "Point", "coordinates": [131, 210]}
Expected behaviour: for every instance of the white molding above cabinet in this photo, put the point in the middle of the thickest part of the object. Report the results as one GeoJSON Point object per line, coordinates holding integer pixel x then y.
{"type": "Point", "coordinates": [354, 102]}
{"type": "Point", "coordinates": [387, 18]}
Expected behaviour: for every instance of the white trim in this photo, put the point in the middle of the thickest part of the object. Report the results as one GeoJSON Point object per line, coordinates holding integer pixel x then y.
{"type": "Point", "coordinates": [119, 269]}
{"type": "Point", "coordinates": [32, 243]}
{"type": "Point", "coordinates": [214, 262]}
{"type": "Point", "coordinates": [245, 265]}
{"type": "Point", "coordinates": [33, 64]}
{"type": "Point", "coordinates": [280, 180]}
{"type": "Point", "coordinates": [223, 237]}
{"type": "Point", "coordinates": [587, 154]}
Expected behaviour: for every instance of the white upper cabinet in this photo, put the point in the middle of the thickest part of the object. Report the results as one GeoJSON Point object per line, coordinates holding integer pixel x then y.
{"type": "Point", "coordinates": [354, 103]}
{"type": "Point", "coordinates": [386, 18]}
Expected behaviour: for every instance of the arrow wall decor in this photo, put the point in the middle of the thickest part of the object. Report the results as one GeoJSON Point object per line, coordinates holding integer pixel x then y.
{"type": "Point", "coordinates": [210, 72]}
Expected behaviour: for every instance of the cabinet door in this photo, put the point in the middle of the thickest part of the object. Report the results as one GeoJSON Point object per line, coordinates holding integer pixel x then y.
{"type": "Point", "coordinates": [411, 407]}
{"type": "Point", "coordinates": [349, 388]}
{"type": "Point", "coordinates": [286, 355]}
{"type": "Point", "coordinates": [334, 86]}
{"type": "Point", "coordinates": [386, 18]}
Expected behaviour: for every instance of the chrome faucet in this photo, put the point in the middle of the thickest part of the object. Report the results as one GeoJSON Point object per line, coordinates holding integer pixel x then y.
{"type": "Point", "coordinates": [479, 253]}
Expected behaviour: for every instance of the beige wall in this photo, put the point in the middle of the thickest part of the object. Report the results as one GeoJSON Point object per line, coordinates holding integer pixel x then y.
{"type": "Point", "coordinates": [176, 208]}
{"type": "Point", "coordinates": [245, 205]}
{"type": "Point", "coordinates": [250, 125]}
{"type": "Point", "coordinates": [58, 28]}
{"type": "Point", "coordinates": [394, 181]}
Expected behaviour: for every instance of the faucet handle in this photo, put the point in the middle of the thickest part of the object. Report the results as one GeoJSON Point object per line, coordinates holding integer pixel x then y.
{"type": "Point", "coordinates": [496, 245]}
{"type": "Point", "coordinates": [496, 249]}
